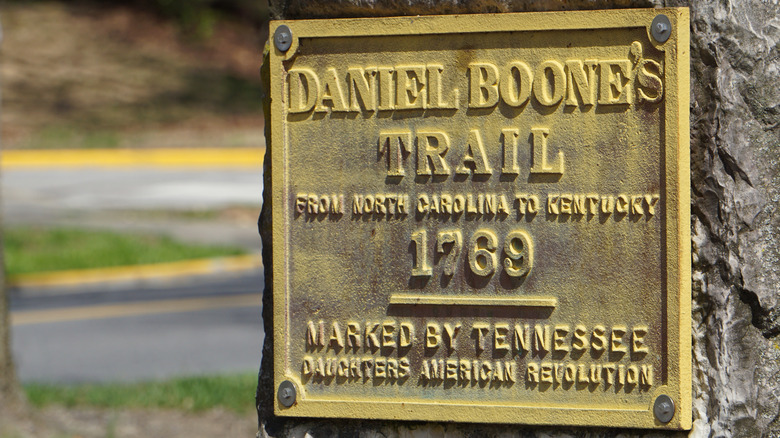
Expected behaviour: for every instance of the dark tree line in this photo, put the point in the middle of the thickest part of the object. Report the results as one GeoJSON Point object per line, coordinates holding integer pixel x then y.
{"type": "Point", "coordinates": [196, 16]}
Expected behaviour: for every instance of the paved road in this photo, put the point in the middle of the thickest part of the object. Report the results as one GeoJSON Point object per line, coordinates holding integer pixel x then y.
{"type": "Point", "coordinates": [121, 199]}
{"type": "Point", "coordinates": [30, 192]}
{"type": "Point", "coordinates": [206, 326]}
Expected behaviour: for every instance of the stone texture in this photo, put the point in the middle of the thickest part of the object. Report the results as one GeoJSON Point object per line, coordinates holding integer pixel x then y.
{"type": "Point", "coordinates": [293, 9]}
{"type": "Point", "coordinates": [735, 174]}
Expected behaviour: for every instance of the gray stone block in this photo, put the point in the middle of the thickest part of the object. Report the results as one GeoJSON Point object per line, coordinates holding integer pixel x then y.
{"type": "Point", "coordinates": [735, 175]}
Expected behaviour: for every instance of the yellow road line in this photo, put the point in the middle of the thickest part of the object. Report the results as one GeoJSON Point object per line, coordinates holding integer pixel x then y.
{"type": "Point", "coordinates": [201, 157]}
{"type": "Point", "coordinates": [134, 309]}
{"type": "Point", "coordinates": [138, 272]}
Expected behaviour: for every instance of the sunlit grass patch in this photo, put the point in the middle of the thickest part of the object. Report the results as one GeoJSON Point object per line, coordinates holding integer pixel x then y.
{"type": "Point", "coordinates": [32, 249]}
{"type": "Point", "coordinates": [191, 394]}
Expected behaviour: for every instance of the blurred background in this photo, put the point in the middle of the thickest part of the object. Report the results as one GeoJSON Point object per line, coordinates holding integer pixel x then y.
{"type": "Point", "coordinates": [132, 137]}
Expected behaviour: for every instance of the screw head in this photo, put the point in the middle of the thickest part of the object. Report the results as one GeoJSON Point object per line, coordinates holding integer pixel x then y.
{"type": "Point", "coordinates": [286, 393]}
{"type": "Point", "coordinates": [283, 38]}
{"type": "Point", "coordinates": [664, 408]}
{"type": "Point", "coordinates": [661, 28]}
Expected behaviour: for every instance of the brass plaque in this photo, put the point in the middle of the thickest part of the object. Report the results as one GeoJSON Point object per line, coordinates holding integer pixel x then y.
{"type": "Point", "coordinates": [483, 218]}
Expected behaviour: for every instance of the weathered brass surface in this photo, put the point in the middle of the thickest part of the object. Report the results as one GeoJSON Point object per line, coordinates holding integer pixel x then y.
{"type": "Point", "coordinates": [483, 218]}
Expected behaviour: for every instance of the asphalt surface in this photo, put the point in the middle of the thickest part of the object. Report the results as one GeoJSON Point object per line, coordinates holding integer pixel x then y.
{"type": "Point", "coordinates": [103, 198]}
{"type": "Point", "coordinates": [29, 192]}
{"type": "Point", "coordinates": [118, 334]}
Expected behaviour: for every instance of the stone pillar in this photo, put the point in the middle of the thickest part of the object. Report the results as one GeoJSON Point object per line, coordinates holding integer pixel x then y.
{"type": "Point", "coordinates": [735, 215]}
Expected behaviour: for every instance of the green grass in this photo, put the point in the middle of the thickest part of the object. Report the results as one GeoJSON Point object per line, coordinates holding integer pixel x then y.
{"type": "Point", "coordinates": [191, 394]}
{"type": "Point", "coordinates": [64, 136]}
{"type": "Point", "coordinates": [30, 249]}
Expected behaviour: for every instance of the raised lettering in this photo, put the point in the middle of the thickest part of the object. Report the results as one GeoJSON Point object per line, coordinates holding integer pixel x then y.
{"type": "Point", "coordinates": [617, 345]}
{"type": "Point", "coordinates": [516, 83]}
{"type": "Point", "coordinates": [410, 87]}
{"type": "Point", "coordinates": [559, 336]}
{"type": "Point", "coordinates": [638, 345]}
{"type": "Point", "coordinates": [545, 374]}
{"type": "Point", "coordinates": [432, 335]}
{"type": "Point", "coordinates": [331, 91]}
{"type": "Point", "coordinates": [304, 89]}
{"type": "Point", "coordinates": [396, 145]}
{"type": "Point", "coordinates": [435, 91]}
{"type": "Point", "coordinates": [431, 148]}
{"type": "Point", "coordinates": [388, 335]}
{"type": "Point", "coordinates": [420, 267]}
{"type": "Point", "coordinates": [353, 337]}
{"type": "Point", "coordinates": [482, 254]}
{"type": "Point", "coordinates": [315, 334]}
{"type": "Point", "coordinates": [585, 83]}
{"type": "Point", "coordinates": [580, 342]}
{"type": "Point", "coordinates": [499, 337]}
{"type": "Point", "coordinates": [475, 159]}
{"type": "Point", "coordinates": [621, 206]}
{"type": "Point", "coordinates": [509, 138]}
{"type": "Point", "coordinates": [362, 88]}
{"type": "Point", "coordinates": [646, 375]}
{"type": "Point", "coordinates": [483, 85]}
{"type": "Point", "coordinates": [405, 335]}
{"type": "Point", "coordinates": [532, 374]}
{"type": "Point", "coordinates": [539, 153]}
{"type": "Point", "coordinates": [648, 76]}
{"type": "Point", "coordinates": [542, 339]}
{"type": "Point", "coordinates": [386, 88]}
{"type": "Point", "coordinates": [598, 338]}
{"type": "Point", "coordinates": [479, 330]}
{"type": "Point", "coordinates": [549, 83]}
{"type": "Point", "coordinates": [522, 339]}
{"type": "Point", "coordinates": [614, 86]}
{"type": "Point", "coordinates": [450, 334]}
{"type": "Point", "coordinates": [519, 249]}
{"type": "Point", "coordinates": [335, 337]}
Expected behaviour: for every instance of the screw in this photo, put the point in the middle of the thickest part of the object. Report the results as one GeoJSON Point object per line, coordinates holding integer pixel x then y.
{"type": "Point", "coordinates": [286, 394]}
{"type": "Point", "coordinates": [661, 28]}
{"type": "Point", "coordinates": [663, 408]}
{"type": "Point", "coordinates": [283, 38]}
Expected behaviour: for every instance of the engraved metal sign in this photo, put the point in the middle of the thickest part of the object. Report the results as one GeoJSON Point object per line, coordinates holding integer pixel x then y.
{"type": "Point", "coordinates": [483, 218]}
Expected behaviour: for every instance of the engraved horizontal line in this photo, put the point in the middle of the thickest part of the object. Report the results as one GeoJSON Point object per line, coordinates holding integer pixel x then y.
{"type": "Point", "coordinates": [457, 404]}
{"type": "Point", "coordinates": [454, 300]}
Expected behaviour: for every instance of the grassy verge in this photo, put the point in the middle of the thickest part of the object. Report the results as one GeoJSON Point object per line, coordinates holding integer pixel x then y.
{"type": "Point", "coordinates": [191, 394]}
{"type": "Point", "coordinates": [31, 249]}
{"type": "Point", "coordinates": [70, 137]}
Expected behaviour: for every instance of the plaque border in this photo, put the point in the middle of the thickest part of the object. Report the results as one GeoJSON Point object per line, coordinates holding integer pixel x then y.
{"type": "Point", "coordinates": [677, 216]}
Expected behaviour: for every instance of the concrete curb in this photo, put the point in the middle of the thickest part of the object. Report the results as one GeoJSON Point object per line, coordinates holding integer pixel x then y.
{"type": "Point", "coordinates": [121, 274]}
{"type": "Point", "coordinates": [112, 158]}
